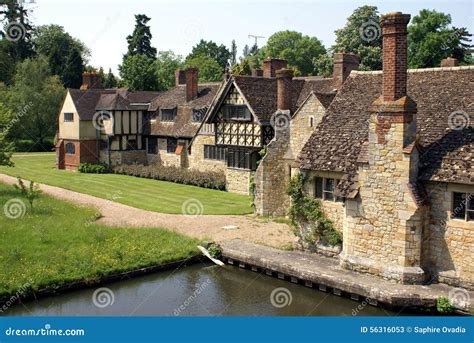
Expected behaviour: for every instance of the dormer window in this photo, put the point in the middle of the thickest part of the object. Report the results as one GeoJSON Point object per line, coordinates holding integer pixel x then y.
{"type": "Point", "coordinates": [168, 114]}
{"type": "Point", "coordinates": [236, 112]}
{"type": "Point", "coordinates": [198, 114]}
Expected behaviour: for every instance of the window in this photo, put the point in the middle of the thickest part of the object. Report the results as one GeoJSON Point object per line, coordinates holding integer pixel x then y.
{"type": "Point", "coordinates": [70, 148]}
{"type": "Point", "coordinates": [171, 145]}
{"type": "Point", "coordinates": [152, 145]}
{"type": "Point", "coordinates": [311, 121]}
{"type": "Point", "coordinates": [198, 114]}
{"type": "Point", "coordinates": [463, 206]}
{"type": "Point", "coordinates": [242, 159]}
{"type": "Point", "coordinates": [236, 112]}
{"type": "Point", "coordinates": [168, 114]}
{"type": "Point", "coordinates": [324, 189]}
{"type": "Point", "coordinates": [212, 152]}
{"type": "Point", "coordinates": [68, 116]}
{"type": "Point", "coordinates": [132, 144]}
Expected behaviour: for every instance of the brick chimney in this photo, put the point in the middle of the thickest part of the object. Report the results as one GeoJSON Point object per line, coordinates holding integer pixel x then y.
{"type": "Point", "coordinates": [91, 80]}
{"type": "Point", "coordinates": [179, 77]}
{"type": "Point", "coordinates": [449, 62]}
{"type": "Point", "coordinates": [284, 88]}
{"type": "Point", "coordinates": [344, 63]}
{"type": "Point", "coordinates": [271, 65]}
{"type": "Point", "coordinates": [191, 83]}
{"type": "Point", "coordinates": [257, 72]}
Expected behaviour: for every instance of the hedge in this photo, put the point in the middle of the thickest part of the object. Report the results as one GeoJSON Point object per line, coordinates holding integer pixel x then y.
{"type": "Point", "coordinates": [208, 179]}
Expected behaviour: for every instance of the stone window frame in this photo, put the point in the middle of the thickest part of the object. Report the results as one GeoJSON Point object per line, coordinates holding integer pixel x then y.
{"type": "Point", "coordinates": [171, 145]}
{"type": "Point", "coordinates": [70, 148]}
{"type": "Point", "coordinates": [215, 153]}
{"type": "Point", "coordinates": [467, 207]}
{"type": "Point", "coordinates": [68, 117]}
{"type": "Point", "coordinates": [323, 193]}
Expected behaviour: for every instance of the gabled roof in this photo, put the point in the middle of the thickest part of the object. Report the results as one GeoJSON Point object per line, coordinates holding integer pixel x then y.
{"type": "Point", "coordinates": [88, 101]}
{"type": "Point", "coordinates": [175, 98]}
{"type": "Point", "coordinates": [339, 141]}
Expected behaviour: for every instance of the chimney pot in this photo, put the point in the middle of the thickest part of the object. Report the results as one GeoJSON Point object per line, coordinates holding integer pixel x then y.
{"type": "Point", "coordinates": [284, 88]}
{"type": "Point", "coordinates": [191, 83]}
{"type": "Point", "coordinates": [179, 77]}
{"type": "Point", "coordinates": [271, 65]}
{"type": "Point", "coordinates": [449, 62]}
{"type": "Point", "coordinates": [344, 63]}
{"type": "Point", "coordinates": [91, 80]}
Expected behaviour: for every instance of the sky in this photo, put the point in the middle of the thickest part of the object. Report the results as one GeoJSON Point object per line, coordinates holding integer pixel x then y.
{"type": "Point", "coordinates": [103, 25]}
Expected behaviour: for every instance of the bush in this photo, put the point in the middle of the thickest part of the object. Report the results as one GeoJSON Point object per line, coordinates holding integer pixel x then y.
{"type": "Point", "coordinates": [208, 179]}
{"type": "Point", "coordinates": [444, 306]}
{"type": "Point", "coordinates": [215, 251]}
{"type": "Point", "coordinates": [92, 168]}
{"type": "Point", "coordinates": [30, 193]}
{"type": "Point", "coordinates": [28, 145]}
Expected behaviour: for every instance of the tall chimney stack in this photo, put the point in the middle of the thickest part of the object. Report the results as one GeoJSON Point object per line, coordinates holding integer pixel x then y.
{"type": "Point", "coordinates": [344, 63]}
{"type": "Point", "coordinates": [449, 62]}
{"type": "Point", "coordinates": [271, 65]}
{"type": "Point", "coordinates": [284, 88]}
{"type": "Point", "coordinates": [394, 31]}
{"type": "Point", "coordinates": [91, 80]}
{"type": "Point", "coordinates": [191, 83]}
{"type": "Point", "coordinates": [179, 77]}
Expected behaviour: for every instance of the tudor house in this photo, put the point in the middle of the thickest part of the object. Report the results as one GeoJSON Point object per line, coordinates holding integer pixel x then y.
{"type": "Point", "coordinates": [392, 164]}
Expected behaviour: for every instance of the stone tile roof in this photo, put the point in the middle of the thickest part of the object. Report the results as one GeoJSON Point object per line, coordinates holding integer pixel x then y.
{"type": "Point", "coordinates": [87, 102]}
{"type": "Point", "coordinates": [446, 154]}
{"type": "Point", "coordinates": [182, 126]}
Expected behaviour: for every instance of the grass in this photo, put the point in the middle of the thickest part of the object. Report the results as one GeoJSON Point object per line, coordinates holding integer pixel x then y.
{"type": "Point", "coordinates": [153, 195]}
{"type": "Point", "coordinates": [56, 243]}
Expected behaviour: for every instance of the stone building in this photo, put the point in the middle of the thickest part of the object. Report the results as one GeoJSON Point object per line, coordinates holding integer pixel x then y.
{"type": "Point", "coordinates": [392, 164]}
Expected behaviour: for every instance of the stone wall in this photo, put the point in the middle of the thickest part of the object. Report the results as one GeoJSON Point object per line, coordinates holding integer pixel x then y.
{"type": "Point", "coordinates": [124, 157]}
{"type": "Point", "coordinates": [448, 244]}
{"type": "Point", "coordinates": [170, 159]}
{"type": "Point", "coordinates": [196, 159]}
{"type": "Point", "coordinates": [238, 180]}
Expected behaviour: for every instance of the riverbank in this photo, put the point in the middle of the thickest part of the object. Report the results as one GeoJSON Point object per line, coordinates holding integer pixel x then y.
{"type": "Point", "coordinates": [324, 273]}
{"type": "Point", "coordinates": [56, 245]}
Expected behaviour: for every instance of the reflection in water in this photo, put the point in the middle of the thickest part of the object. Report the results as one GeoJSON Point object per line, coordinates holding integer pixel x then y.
{"type": "Point", "coordinates": [198, 291]}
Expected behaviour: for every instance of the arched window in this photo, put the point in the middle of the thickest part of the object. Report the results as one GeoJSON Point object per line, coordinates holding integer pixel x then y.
{"type": "Point", "coordinates": [70, 148]}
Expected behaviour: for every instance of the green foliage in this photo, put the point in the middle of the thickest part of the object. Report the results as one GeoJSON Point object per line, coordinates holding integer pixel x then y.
{"type": "Point", "coordinates": [215, 250]}
{"type": "Point", "coordinates": [30, 192]}
{"type": "Point", "coordinates": [166, 64]}
{"type": "Point", "coordinates": [306, 210]}
{"type": "Point", "coordinates": [209, 69]}
{"type": "Point", "coordinates": [297, 49]}
{"type": "Point", "coordinates": [218, 53]}
{"type": "Point", "coordinates": [444, 306]}
{"type": "Point", "coordinates": [242, 68]}
{"type": "Point", "coordinates": [233, 53]}
{"type": "Point", "coordinates": [87, 168]}
{"type": "Point", "coordinates": [29, 145]}
{"type": "Point", "coordinates": [139, 42]}
{"type": "Point", "coordinates": [209, 179]}
{"type": "Point", "coordinates": [110, 81]}
{"type": "Point", "coordinates": [138, 73]}
{"type": "Point", "coordinates": [323, 65]}
{"type": "Point", "coordinates": [6, 151]}
{"type": "Point", "coordinates": [430, 39]}
{"type": "Point", "coordinates": [348, 38]}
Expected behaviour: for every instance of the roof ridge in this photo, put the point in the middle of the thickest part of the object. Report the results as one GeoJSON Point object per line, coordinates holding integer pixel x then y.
{"type": "Point", "coordinates": [419, 70]}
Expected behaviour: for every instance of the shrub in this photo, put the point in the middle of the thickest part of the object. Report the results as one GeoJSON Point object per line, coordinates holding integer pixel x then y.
{"type": "Point", "coordinates": [305, 210]}
{"type": "Point", "coordinates": [93, 168]}
{"type": "Point", "coordinates": [28, 145]}
{"type": "Point", "coordinates": [208, 179]}
{"type": "Point", "coordinates": [215, 250]}
{"type": "Point", "coordinates": [444, 306]}
{"type": "Point", "coordinates": [30, 193]}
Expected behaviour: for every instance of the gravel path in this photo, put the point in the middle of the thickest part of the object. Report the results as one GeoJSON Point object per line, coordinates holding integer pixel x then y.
{"type": "Point", "coordinates": [251, 229]}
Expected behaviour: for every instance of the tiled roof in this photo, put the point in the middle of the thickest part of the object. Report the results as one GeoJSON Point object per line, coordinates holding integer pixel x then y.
{"type": "Point", "coordinates": [446, 154]}
{"type": "Point", "coordinates": [182, 126]}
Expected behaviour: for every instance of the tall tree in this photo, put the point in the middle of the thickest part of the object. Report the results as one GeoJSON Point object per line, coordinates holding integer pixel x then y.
{"type": "Point", "coordinates": [139, 42]}
{"type": "Point", "coordinates": [219, 53]}
{"type": "Point", "coordinates": [138, 73]}
{"type": "Point", "coordinates": [297, 49]}
{"type": "Point", "coordinates": [166, 64]}
{"type": "Point", "coordinates": [17, 28]}
{"type": "Point", "coordinates": [110, 80]}
{"type": "Point", "coordinates": [209, 69]}
{"type": "Point", "coordinates": [362, 36]}
{"type": "Point", "coordinates": [246, 51]}
{"type": "Point", "coordinates": [72, 73]}
{"type": "Point", "coordinates": [430, 39]}
{"type": "Point", "coordinates": [233, 53]}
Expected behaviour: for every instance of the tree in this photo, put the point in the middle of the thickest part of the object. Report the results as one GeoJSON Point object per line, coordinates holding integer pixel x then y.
{"type": "Point", "coordinates": [210, 49]}
{"type": "Point", "coordinates": [297, 49]}
{"type": "Point", "coordinates": [6, 116]}
{"type": "Point", "coordinates": [246, 51]}
{"type": "Point", "coordinates": [110, 80]}
{"type": "Point", "coordinates": [65, 54]}
{"type": "Point", "coordinates": [233, 53]}
{"type": "Point", "coordinates": [362, 36]}
{"type": "Point", "coordinates": [323, 65]}
{"type": "Point", "coordinates": [7, 62]}
{"type": "Point", "coordinates": [139, 73]}
{"type": "Point", "coordinates": [209, 69]}
{"type": "Point", "coordinates": [242, 68]}
{"type": "Point", "coordinates": [166, 64]}
{"type": "Point", "coordinates": [35, 98]}
{"type": "Point", "coordinates": [430, 39]}
{"type": "Point", "coordinates": [139, 42]}
{"type": "Point", "coordinates": [6, 151]}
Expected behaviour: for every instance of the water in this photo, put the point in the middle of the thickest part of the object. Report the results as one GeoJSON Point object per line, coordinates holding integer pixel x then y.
{"type": "Point", "coordinates": [199, 291]}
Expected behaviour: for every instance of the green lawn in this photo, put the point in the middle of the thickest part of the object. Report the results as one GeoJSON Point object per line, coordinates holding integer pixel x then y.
{"type": "Point", "coordinates": [159, 196]}
{"type": "Point", "coordinates": [57, 242]}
